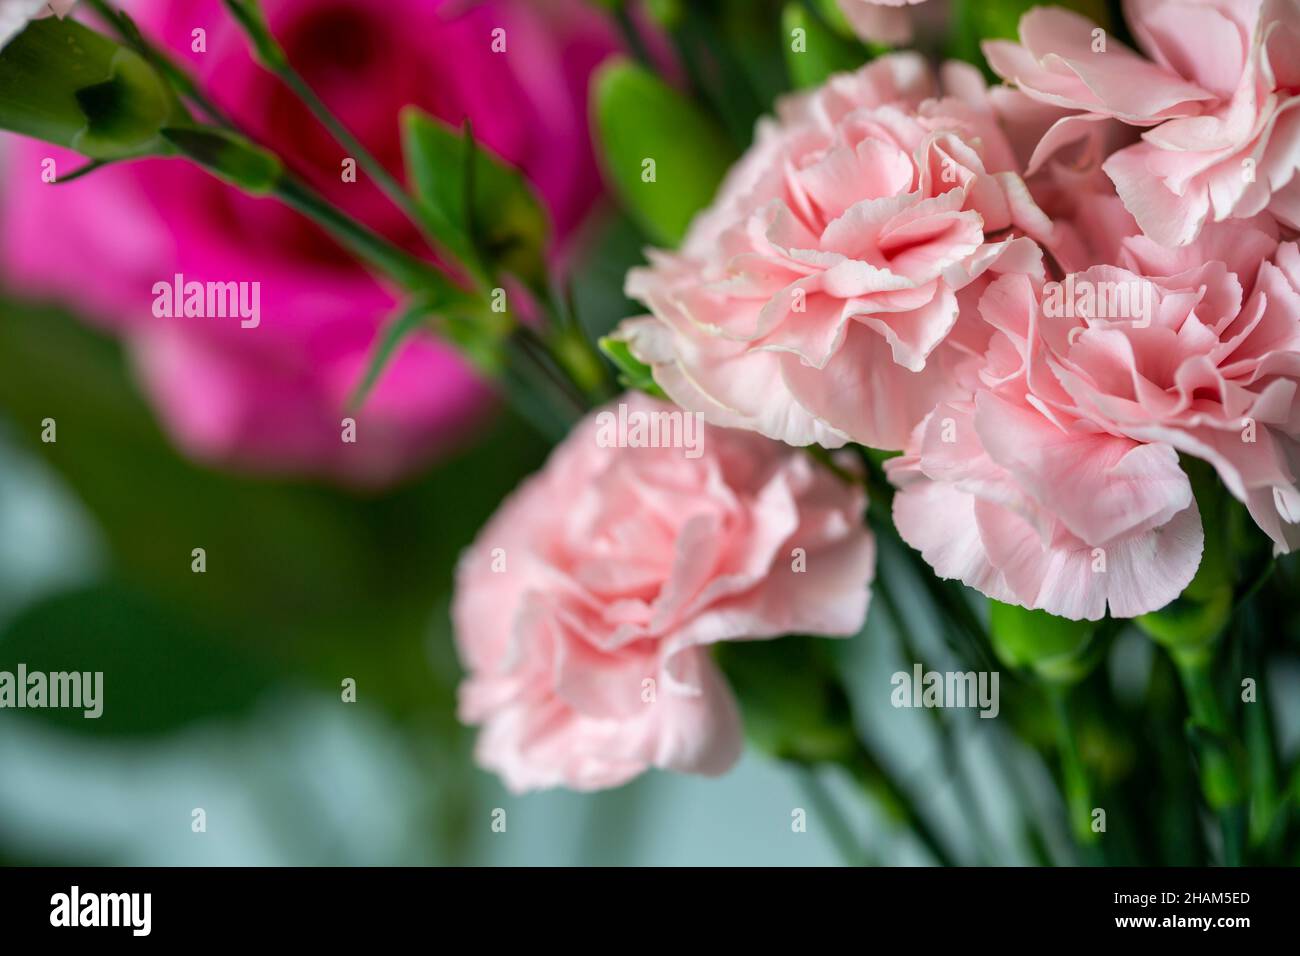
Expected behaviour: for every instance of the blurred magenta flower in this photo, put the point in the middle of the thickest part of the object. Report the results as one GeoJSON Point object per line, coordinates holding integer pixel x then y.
{"type": "Point", "coordinates": [272, 397]}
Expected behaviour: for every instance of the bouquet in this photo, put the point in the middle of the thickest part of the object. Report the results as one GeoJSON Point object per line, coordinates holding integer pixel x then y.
{"type": "Point", "coordinates": [979, 320]}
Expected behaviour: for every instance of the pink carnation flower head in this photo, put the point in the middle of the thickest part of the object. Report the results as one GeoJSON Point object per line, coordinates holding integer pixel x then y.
{"type": "Point", "coordinates": [1025, 495]}
{"type": "Point", "coordinates": [1219, 98]}
{"type": "Point", "coordinates": [585, 608]}
{"type": "Point", "coordinates": [1216, 373]}
{"type": "Point", "coordinates": [815, 300]}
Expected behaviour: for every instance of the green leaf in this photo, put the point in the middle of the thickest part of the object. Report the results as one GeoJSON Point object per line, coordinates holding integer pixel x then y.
{"type": "Point", "coordinates": [791, 697]}
{"type": "Point", "coordinates": [228, 156]}
{"type": "Point", "coordinates": [632, 372]}
{"type": "Point", "coordinates": [477, 332]}
{"type": "Point", "coordinates": [65, 84]}
{"type": "Point", "coordinates": [161, 669]}
{"type": "Point", "coordinates": [596, 287]}
{"type": "Point", "coordinates": [482, 210]}
{"type": "Point", "coordinates": [402, 326]}
{"type": "Point", "coordinates": [667, 13]}
{"type": "Point", "coordinates": [817, 52]}
{"type": "Point", "coordinates": [1055, 647]}
{"type": "Point", "coordinates": [1187, 623]}
{"type": "Point", "coordinates": [662, 156]}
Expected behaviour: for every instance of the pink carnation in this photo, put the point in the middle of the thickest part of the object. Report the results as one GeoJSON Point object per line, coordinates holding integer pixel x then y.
{"type": "Point", "coordinates": [814, 300]}
{"type": "Point", "coordinates": [585, 608]}
{"type": "Point", "coordinates": [880, 21]}
{"type": "Point", "coordinates": [1221, 93]}
{"type": "Point", "coordinates": [1020, 496]}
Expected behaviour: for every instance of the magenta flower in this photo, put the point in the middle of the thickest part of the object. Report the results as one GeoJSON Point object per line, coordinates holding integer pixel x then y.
{"type": "Point", "coordinates": [272, 397]}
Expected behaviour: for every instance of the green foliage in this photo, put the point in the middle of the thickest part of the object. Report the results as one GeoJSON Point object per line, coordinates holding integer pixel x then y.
{"type": "Point", "coordinates": [632, 372]}
{"type": "Point", "coordinates": [823, 52]}
{"type": "Point", "coordinates": [1054, 647]}
{"type": "Point", "coordinates": [662, 156]}
{"type": "Point", "coordinates": [65, 84]}
{"type": "Point", "coordinates": [228, 156]}
{"type": "Point", "coordinates": [300, 578]}
{"type": "Point", "coordinates": [162, 669]}
{"type": "Point", "coordinates": [465, 321]}
{"type": "Point", "coordinates": [483, 211]}
{"type": "Point", "coordinates": [792, 699]}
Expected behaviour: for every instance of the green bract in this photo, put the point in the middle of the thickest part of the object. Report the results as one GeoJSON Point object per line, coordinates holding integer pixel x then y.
{"type": "Point", "coordinates": [482, 211]}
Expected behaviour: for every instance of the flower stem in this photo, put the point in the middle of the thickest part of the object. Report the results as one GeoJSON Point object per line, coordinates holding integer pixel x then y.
{"type": "Point", "coordinates": [1079, 797]}
{"type": "Point", "coordinates": [877, 782]}
{"type": "Point", "coordinates": [1220, 780]}
{"type": "Point", "coordinates": [273, 58]}
{"type": "Point", "coordinates": [883, 592]}
{"type": "Point", "coordinates": [411, 273]}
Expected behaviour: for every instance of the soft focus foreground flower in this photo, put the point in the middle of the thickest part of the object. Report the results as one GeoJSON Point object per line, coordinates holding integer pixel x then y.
{"type": "Point", "coordinates": [881, 21]}
{"type": "Point", "coordinates": [272, 397]}
{"type": "Point", "coordinates": [1221, 93]}
{"type": "Point", "coordinates": [814, 300]}
{"type": "Point", "coordinates": [15, 14]}
{"type": "Point", "coordinates": [585, 608]}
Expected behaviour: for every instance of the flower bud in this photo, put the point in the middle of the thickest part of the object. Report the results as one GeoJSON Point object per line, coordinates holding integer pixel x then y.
{"type": "Point", "coordinates": [65, 84]}
{"type": "Point", "coordinates": [1055, 648]}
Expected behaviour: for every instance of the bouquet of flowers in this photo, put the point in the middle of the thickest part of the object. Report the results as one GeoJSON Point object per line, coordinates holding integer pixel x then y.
{"type": "Point", "coordinates": [979, 318]}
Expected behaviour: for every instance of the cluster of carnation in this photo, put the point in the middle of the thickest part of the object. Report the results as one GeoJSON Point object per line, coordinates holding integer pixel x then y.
{"type": "Point", "coordinates": [1043, 294]}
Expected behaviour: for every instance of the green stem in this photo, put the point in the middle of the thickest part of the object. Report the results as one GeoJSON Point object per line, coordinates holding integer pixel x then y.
{"type": "Point", "coordinates": [1266, 799]}
{"type": "Point", "coordinates": [273, 58]}
{"type": "Point", "coordinates": [365, 159]}
{"type": "Point", "coordinates": [413, 274]}
{"type": "Point", "coordinates": [877, 783]}
{"type": "Point", "coordinates": [1079, 796]}
{"type": "Point", "coordinates": [1220, 780]}
{"type": "Point", "coordinates": [882, 591]}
